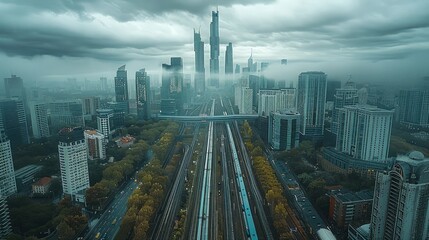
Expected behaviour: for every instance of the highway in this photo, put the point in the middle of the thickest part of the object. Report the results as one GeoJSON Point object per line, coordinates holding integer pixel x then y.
{"type": "Point", "coordinates": [227, 204]}
{"type": "Point", "coordinates": [109, 222]}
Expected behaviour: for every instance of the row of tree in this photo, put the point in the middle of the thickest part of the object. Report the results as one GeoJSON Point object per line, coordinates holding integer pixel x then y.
{"type": "Point", "coordinates": [269, 183]}
{"type": "Point", "coordinates": [145, 200]}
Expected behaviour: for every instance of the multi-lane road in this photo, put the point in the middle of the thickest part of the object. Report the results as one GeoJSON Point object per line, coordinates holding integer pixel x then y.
{"type": "Point", "coordinates": [109, 222]}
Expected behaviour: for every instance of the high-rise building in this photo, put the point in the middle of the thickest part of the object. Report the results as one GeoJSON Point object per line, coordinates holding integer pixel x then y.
{"type": "Point", "coordinates": [311, 103]}
{"type": "Point", "coordinates": [237, 69]}
{"type": "Point", "coordinates": [39, 119]}
{"type": "Point", "coordinates": [200, 71]}
{"type": "Point", "coordinates": [14, 122]}
{"type": "Point", "coordinates": [103, 84]}
{"type": "Point", "coordinates": [364, 132]}
{"type": "Point", "coordinates": [253, 67]}
{"type": "Point", "coordinates": [283, 130]}
{"type": "Point", "coordinates": [345, 96]}
{"type": "Point", "coordinates": [229, 60]}
{"type": "Point", "coordinates": [73, 163]}
{"type": "Point", "coordinates": [96, 148]}
{"type": "Point", "coordinates": [172, 82]}
{"type": "Point", "coordinates": [105, 122]}
{"type": "Point", "coordinates": [90, 106]}
{"type": "Point", "coordinates": [214, 50]}
{"type": "Point", "coordinates": [65, 114]}
{"type": "Point", "coordinates": [142, 95]}
{"type": "Point", "coordinates": [414, 107]}
{"type": "Point", "coordinates": [276, 100]}
{"type": "Point", "coordinates": [5, 226]}
{"type": "Point", "coordinates": [121, 88]}
{"type": "Point", "coordinates": [14, 88]}
{"type": "Point", "coordinates": [7, 173]}
{"type": "Point", "coordinates": [331, 88]}
{"type": "Point", "coordinates": [401, 207]}
{"type": "Point", "coordinates": [246, 102]}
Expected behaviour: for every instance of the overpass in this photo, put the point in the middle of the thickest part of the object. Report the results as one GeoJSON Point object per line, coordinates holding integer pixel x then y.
{"type": "Point", "coordinates": [215, 118]}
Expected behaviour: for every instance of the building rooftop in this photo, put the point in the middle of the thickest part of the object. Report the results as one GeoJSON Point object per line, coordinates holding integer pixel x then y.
{"type": "Point", "coordinates": [348, 196]}
{"type": "Point", "coordinates": [415, 167]}
{"type": "Point", "coordinates": [369, 108]}
{"type": "Point", "coordinates": [43, 181]}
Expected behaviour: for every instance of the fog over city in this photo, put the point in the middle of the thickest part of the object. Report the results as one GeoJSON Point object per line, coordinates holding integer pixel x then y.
{"type": "Point", "coordinates": [382, 41]}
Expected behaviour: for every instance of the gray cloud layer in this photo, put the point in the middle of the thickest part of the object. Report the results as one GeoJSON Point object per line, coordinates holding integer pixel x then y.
{"type": "Point", "coordinates": [153, 30]}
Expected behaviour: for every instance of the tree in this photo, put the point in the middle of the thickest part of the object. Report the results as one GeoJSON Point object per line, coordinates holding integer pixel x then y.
{"type": "Point", "coordinates": [65, 232]}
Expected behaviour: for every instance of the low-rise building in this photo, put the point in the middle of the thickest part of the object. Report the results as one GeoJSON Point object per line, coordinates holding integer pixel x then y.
{"type": "Point", "coordinates": [125, 141]}
{"type": "Point", "coordinates": [42, 186]}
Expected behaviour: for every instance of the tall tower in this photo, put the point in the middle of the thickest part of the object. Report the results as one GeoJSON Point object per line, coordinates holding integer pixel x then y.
{"type": "Point", "coordinates": [229, 64]}
{"type": "Point", "coordinates": [400, 208]}
{"type": "Point", "coordinates": [73, 163]}
{"type": "Point", "coordinates": [364, 132]}
{"type": "Point", "coordinates": [105, 122]}
{"type": "Point", "coordinates": [214, 49]}
{"type": "Point", "coordinates": [5, 227]}
{"type": "Point", "coordinates": [345, 96]}
{"type": "Point", "coordinates": [13, 121]}
{"type": "Point", "coordinates": [172, 83]}
{"type": "Point", "coordinates": [121, 88]}
{"type": "Point", "coordinates": [311, 103]}
{"type": "Point", "coordinates": [39, 119]}
{"type": "Point", "coordinates": [200, 72]}
{"type": "Point", "coordinates": [142, 94]}
{"type": "Point", "coordinates": [7, 179]}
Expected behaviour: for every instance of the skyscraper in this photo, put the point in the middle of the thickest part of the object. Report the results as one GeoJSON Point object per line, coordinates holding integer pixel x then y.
{"type": "Point", "coordinates": [13, 121]}
{"type": "Point", "coordinates": [172, 82]}
{"type": "Point", "coordinates": [311, 103]}
{"type": "Point", "coordinates": [214, 50]}
{"type": "Point", "coordinates": [121, 88]}
{"type": "Point", "coordinates": [364, 132]}
{"type": "Point", "coordinates": [103, 84]}
{"type": "Point", "coordinates": [345, 96]}
{"type": "Point", "coordinates": [414, 107]}
{"type": "Point", "coordinates": [5, 227]}
{"type": "Point", "coordinates": [14, 88]}
{"type": "Point", "coordinates": [73, 163]}
{"type": "Point", "coordinates": [401, 208]}
{"type": "Point", "coordinates": [105, 122]}
{"type": "Point", "coordinates": [283, 129]}
{"type": "Point", "coordinates": [65, 114]}
{"type": "Point", "coordinates": [251, 65]}
{"type": "Point", "coordinates": [229, 60]}
{"type": "Point", "coordinates": [39, 119]}
{"type": "Point", "coordinates": [90, 106]}
{"type": "Point", "coordinates": [200, 72]}
{"type": "Point", "coordinates": [142, 94]}
{"type": "Point", "coordinates": [7, 173]}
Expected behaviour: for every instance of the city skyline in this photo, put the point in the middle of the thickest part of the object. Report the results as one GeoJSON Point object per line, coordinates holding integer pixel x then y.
{"type": "Point", "coordinates": [90, 40]}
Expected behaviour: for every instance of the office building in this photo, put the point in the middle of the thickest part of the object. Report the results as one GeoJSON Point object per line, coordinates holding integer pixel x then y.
{"type": "Point", "coordinates": [252, 67]}
{"type": "Point", "coordinates": [39, 119]}
{"type": "Point", "coordinates": [401, 207]}
{"type": "Point", "coordinates": [331, 88]}
{"type": "Point", "coordinates": [105, 122]}
{"type": "Point", "coordinates": [7, 179]}
{"type": "Point", "coordinates": [200, 71]}
{"type": "Point", "coordinates": [276, 100]}
{"type": "Point", "coordinates": [346, 207]}
{"type": "Point", "coordinates": [229, 60]}
{"type": "Point", "coordinates": [283, 130]}
{"type": "Point", "coordinates": [246, 103]}
{"type": "Point", "coordinates": [65, 114]}
{"type": "Point", "coordinates": [414, 107]}
{"type": "Point", "coordinates": [5, 226]}
{"type": "Point", "coordinates": [311, 103]}
{"type": "Point", "coordinates": [364, 132]}
{"type": "Point", "coordinates": [142, 95]}
{"type": "Point", "coordinates": [73, 163]}
{"type": "Point", "coordinates": [14, 122]}
{"type": "Point", "coordinates": [96, 149]}
{"type": "Point", "coordinates": [103, 84]}
{"type": "Point", "coordinates": [214, 50]}
{"type": "Point", "coordinates": [14, 88]}
{"type": "Point", "coordinates": [172, 82]}
{"type": "Point", "coordinates": [90, 106]}
{"type": "Point", "coordinates": [345, 96]}
{"type": "Point", "coordinates": [121, 88]}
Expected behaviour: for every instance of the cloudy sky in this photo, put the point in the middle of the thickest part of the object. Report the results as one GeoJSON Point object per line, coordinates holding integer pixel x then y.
{"type": "Point", "coordinates": [384, 40]}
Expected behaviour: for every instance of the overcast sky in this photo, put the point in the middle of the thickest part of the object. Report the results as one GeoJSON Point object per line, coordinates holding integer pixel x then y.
{"type": "Point", "coordinates": [385, 40]}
